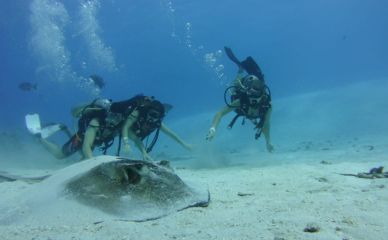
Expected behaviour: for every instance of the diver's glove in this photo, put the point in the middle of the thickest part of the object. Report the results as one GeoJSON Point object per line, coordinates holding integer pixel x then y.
{"type": "Point", "coordinates": [210, 135]}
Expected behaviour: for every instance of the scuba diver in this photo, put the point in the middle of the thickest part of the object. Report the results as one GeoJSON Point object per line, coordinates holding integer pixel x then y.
{"type": "Point", "coordinates": [102, 120]}
{"type": "Point", "coordinates": [144, 117]}
{"type": "Point", "coordinates": [250, 98]}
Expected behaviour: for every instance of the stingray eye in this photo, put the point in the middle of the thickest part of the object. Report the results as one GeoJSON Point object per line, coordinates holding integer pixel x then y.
{"type": "Point", "coordinates": [132, 176]}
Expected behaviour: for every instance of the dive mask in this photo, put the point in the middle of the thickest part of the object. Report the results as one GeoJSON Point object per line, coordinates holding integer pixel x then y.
{"type": "Point", "coordinates": [252, 85]}
{"type": "Point", "coordinates": [153, 116]}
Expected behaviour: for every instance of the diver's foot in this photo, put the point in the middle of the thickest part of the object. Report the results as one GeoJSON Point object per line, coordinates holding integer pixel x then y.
{"type": "Point", "coordinates": [51, 129]}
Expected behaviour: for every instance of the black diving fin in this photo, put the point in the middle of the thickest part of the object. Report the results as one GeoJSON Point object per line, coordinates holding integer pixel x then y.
{"type": "Point", "coordinates": [249, 64]}
{"type": "Point", "coordinates": [232, 57]}
{"type": "Point", "coordinates": [251, 67]}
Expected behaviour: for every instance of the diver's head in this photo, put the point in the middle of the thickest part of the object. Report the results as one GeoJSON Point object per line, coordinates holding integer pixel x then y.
{"type": "Point", "coordinates": [103, 103]}
{"type": "Point", "coordinates": [153, 116]}
{"type": "Point", "coordinates": [155, 112]}
{"type": "Point", "coordinates": [252, 84]}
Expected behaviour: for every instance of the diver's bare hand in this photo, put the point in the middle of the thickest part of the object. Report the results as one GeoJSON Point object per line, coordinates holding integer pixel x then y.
{"type": "Point", "coordinates": [210, 135]}
{"type": "Point", "coordinates": [188, 147]}
{"type": "Point", "coordinates": [270, 148]}
{"type": "Point", "coordinates": [147, 157]}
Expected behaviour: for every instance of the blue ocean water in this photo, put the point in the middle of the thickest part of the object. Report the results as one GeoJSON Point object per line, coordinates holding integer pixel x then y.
{"type": "Point", "coordinates": [173, 50]}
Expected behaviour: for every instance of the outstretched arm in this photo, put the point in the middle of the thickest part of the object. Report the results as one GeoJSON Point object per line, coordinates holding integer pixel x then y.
{"type": "Point", "coordinates": [174, 136]}
{"type": "Point", "coordinates": [217, 118]}
{"type": "Point", "coordinates": [125, 131]}
{"type": "Point", "coordinates": [139, 144]}
{"type": "Point", "coordinates": [266, 130]}
{"type": "Point", "coordinates": [90, 136]}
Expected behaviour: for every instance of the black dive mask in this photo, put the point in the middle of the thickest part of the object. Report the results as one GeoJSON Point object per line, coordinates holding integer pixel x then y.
{"type": "Point", "coordinates": [254, 92]}
{"type": "Point", "coordinates": [153, 116]}
{"type": "Point", "coordinates": [251, 85]}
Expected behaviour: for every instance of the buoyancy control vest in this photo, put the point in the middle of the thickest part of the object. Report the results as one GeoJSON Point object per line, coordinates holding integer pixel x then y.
{"type": "Point", "coordinates": [151, 114]}
{"type": "Point", "coordinates": [253, 107]}
{"type": "Point", "coordinates": [109, 122]}
{"type": "Point", "coordinates": [112, 118]}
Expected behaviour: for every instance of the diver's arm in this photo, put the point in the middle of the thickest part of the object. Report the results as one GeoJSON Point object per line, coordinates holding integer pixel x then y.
{"type": "Point", "coordinates": [217, 118]}
{"type": "Point", "coordinates": [131, 119]}
{"type": "Point", "coordinates": [127, 133]}
{"type": "Point", "coordinates": [266, 130]}
{"type": "Point", "coordinates": [139, 144]}
{"type": "Point", "coordinates": [219, 115]}
{"type": "Point", "coordinates": [238, 78]}
{"type": "Point", "coordinates": [174, 136]}
{"type": "Point", "coordinates": [90, 135]}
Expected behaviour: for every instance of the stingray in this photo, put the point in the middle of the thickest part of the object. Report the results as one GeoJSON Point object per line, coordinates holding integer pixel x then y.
{"type": "Point", "coordinates": [102, 189]}
{"type": "Point", "coordinates": [377, 172]}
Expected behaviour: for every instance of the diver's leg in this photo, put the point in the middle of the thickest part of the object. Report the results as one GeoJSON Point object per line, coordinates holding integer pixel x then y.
{"type": "Point", "coordinates": [53, 148]}
{"type": "Point", "coordinates": [66, 130]}
{"type": "Point", "coordinates": [34, 126]}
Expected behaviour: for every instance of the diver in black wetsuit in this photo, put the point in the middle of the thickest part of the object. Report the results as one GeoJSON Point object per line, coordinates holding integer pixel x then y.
{"type": "Point", "coordinates": [101, 121]}
{"type": "Point", "coordinates": [250, 98]}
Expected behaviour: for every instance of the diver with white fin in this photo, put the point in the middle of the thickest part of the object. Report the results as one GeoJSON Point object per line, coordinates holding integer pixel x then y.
{"type": "Point", "coordinates": [101, 121]}
{"type": "Point", "coordinates": [250, 98]}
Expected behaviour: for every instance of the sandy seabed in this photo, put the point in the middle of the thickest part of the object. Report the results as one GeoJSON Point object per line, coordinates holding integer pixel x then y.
{"type": "Point", "coordinates": [257, 195]}
{"type": "Point", "coordinates": [274, 201]}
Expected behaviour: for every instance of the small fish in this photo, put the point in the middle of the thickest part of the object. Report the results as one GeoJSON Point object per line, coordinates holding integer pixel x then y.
{"type": "Point", "coordinates": [97, 80]}
{"type": "Point", "coordinates": [27, 86]}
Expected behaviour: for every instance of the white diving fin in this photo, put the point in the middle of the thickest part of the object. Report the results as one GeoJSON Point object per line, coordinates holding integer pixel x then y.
{"type": "Point", "coordinates": [50, 130]}
{"type": "Point", "coordinates": [33, 123]}
{"type": "Point", "coordinates": [34, 126]}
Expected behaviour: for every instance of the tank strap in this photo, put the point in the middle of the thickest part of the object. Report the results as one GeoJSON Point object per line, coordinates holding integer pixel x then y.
{"type": "Point", "coordinates": [234, 120]}
{"type": "Point", "coordinates": [156, 136]}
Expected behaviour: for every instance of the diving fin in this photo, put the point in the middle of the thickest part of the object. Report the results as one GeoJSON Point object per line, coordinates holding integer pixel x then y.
{"type": "Point", "coordinates": [231, 56]}
{"type": "Point", "coordinates": [34, 126]}
{"type": "Point", "coordinates": [51, 129]}
{"type": "Point", "coordinates": [251, 67]}
{"type": "Point", "coordinates": [33, 123]}
{"type": "Point", "coordinates": [249, 64]}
